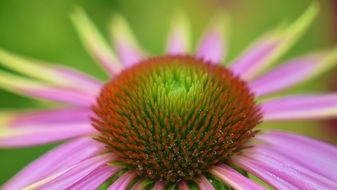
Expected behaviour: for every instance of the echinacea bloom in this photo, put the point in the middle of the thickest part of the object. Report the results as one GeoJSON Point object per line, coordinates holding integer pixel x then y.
{"type": "Point", "coordinates": [176, 121]}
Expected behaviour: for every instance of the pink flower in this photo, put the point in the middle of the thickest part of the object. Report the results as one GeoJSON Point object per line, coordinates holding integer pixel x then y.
{"type": "Point", "coordinates": [174, 121]}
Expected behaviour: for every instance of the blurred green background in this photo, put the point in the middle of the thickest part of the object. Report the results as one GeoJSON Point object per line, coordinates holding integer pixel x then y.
{"type": "Point", "coordinates": [42, 29]}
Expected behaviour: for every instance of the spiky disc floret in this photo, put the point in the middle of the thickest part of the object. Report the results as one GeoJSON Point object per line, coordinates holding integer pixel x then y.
{"type": "Point", "coordinates": [173, 117]}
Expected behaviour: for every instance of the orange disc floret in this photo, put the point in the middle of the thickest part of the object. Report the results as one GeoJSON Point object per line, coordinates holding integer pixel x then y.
{"type": "Point", "coordinates": [173, 117]}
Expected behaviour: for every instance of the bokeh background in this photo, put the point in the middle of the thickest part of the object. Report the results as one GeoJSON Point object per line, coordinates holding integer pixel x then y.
{"type": "Point", "coordinates": [42, 29]}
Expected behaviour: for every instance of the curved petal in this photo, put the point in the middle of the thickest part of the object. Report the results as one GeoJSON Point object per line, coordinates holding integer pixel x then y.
{"type": "Point", "coordinates": [37, 135]}
{"type": "Point", "coordinates": [183, 185]}
{"type": "Point", "coordinates": [125, 42]}
{"type": "Point", "coordinates": [95, 43]}
{"type": "Point", "coordinates": [179, 36]}
{"type": "Point", "coordinates": [204, 184]}
{"type": "Point", "coordinates": [303, 147]}
{"type": "Point", "coordinates": [72, 175]}
{"type": "Point", "coordinates": [300, 107]}
{"type": "Point", "coordinates": [45, 117]}
{"type": "Point", "coordinates": [272, 46]}
{"type": "Point", "coordinates": [234, 178]}
{"type": "Point", "coordinates": [96, 178]}
{"type": "Point", "coordinates": [289, 173]}
{"type": "Point", "coordinates": [36, 89]}
{"type": "Point", "coordinates": [258, 170]}
{"type": "Point", "coordinates": [123, 181]}
{"type": "Point", "coordinates": [159, 185]}
{"type": "Point", "coordinates": [293, 72]}
{"type": "Point", "coordinates": [74, 78]}
{"type": "Point", "coordinates": [212, 45]}
{"type": "Point", "coordinates": [47, 72]}
{"type": "Point", "coordinates": [309, 176]}
{"type": "Point", "coordinates": [54, 161]}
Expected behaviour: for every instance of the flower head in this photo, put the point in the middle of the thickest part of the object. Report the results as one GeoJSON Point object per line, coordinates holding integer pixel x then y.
{"type": "Point", "coordinates": [175, 121]}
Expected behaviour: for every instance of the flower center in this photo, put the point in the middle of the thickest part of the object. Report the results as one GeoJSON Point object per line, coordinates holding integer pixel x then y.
{"type": "Point", "coordinates": [172, 117]}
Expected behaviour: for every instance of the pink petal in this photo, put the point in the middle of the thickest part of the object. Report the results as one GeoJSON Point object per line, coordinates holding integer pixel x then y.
{"type": "Point", "coordinates": [37, 135]}
{"type": "Point", "coordinates": [272, 46]}
{"type": "Point", "coordinates": [258, 170]}
{"type": "Point", "coordinates": [159, 185]}
{"type": "Point", "coordinates": [88, 83]}
{"type": "Point", "coordinates": [123, 181]}
{"type": "Point", "coordinates": [96, 178]}
{"type": "Point", "coordinates": [183, 185]}
{"type": "Point", "coordinates": [234, 178]}
{"type": "Point", "coordinates": [74, 174]}
{"type": "Point", "coordinates": [285, 76]}
{"type": "Point", "coordinates": [212, 47]}
{"type": "Point", "coordinates": [204, 184]}
{"type": "Point", "coordinates": [125, 42]}
{"type": "Point", "coordinates": [306, 173]}
{"type": "Point", "coordinates": [59, 116]}
{"type": "Point", "coordinates": [137, 185]}
{"type": "Point", "coordinates": [128, 54]}
{"type": "Point", "coordinates": [95, 43]}
{"type": "Point", "coordinates": [300, 107]}
{"type": "Point", "coordinates": [179, 37]}
{"type": "Point", "coordinates": [302, 150]}
{"type": "Point", "coordinates": [54, 161]}
{"type": "Point", "coordinates": [255, 58]}
{"type": "Point", "coordinates": [288, 172]}
{"type": "Point", "coordinates": [60, 95]}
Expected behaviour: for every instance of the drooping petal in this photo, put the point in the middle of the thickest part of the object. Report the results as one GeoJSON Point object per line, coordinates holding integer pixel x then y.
{"type": "Point", "coordinates": [141, 184]}
{"type": "Point", "coordinates": [72, 175]}
{"type": "Point", "coordinates": [40, 90]}
{"type": "Point", "coordinates": [212, 46]}
{"type": "Point", "coordinates": [36, 135]}
{"type": "Point", "coordinates": [47, 72]}
{"type": "Point", "coordinates": [123, 181]}
{"type": "Point", "coordinates": [126, 45]}
{"type": "Point", "coordinates": [300, 107]}
{"type": "Point", "coordinates": [272, 46]}
{"type": "Point", "coordinates": [293, 72]}
{"type": "Point", "coordinates": [159, 185]}
{"type": "Point", "coordinates": [45, 117]}
{"type": "Point", "coordinates": [179, 36]}
{"type": "Point", "coordinates": [234, 178]}
{"type": "Point", "coordinates": [293, 174]}
{"type": "Point", "coordinates": [261, 172]}
{"type": "Point", "coordinates": [94, 42]}
{"type": "Point", "coordinates": [271, 154]}
{"type": "Point", "coordinates": [183, 185]}
{"type": "Point", "coordinates": [204, 184]}
{"type": "Point", "coordinates": [302, 150]}
{"type": "Point", "coordinates": [54, 161]}
{"type": "Point", "coordinates": [96, 178]}
{"type": "Point", "coordinates": [79, 80]}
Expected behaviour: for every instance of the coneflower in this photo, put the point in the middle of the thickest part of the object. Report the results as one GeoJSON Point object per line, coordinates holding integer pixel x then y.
{"type": "Point", "coordinates": [174, 121]}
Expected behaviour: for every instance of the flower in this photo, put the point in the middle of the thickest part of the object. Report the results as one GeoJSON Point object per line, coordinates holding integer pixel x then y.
{"type": "Point", "coordinates": [173, 121]}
